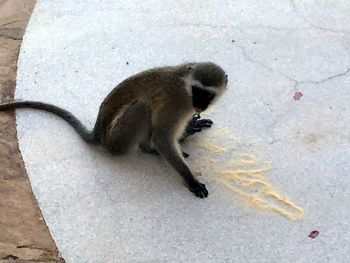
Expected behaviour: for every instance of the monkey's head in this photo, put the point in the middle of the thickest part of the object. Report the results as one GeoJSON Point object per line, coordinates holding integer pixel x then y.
{"type": "Point", "coordinates": [206, 82]}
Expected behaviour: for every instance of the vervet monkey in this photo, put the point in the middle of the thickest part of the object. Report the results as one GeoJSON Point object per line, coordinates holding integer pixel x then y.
{"type": "Point", "coordinates": [152, 108]}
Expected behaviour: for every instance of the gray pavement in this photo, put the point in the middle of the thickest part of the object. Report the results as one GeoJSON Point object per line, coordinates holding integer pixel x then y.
{"type": "Point", "coordinates": [134, 208]}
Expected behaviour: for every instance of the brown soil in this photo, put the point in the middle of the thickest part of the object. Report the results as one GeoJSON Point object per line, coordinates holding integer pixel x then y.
{"type": "Point", "coordinates": [24, 236]}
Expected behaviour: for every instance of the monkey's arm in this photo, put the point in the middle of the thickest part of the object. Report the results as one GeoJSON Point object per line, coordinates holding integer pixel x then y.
{"type": "Point", "coordinates": [165, 145]}
{"type": "Point", "coordinates": [195, 125]}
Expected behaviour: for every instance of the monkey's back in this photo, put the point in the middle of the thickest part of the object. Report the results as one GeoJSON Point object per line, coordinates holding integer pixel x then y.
{"type": "Point", "coordinates": [158, 88]}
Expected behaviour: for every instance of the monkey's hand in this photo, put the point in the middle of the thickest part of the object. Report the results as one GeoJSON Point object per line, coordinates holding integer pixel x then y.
{"type": "Point", "coordinates": [198, 189]}
{"type": "Point", "coordinates": [195, 125]}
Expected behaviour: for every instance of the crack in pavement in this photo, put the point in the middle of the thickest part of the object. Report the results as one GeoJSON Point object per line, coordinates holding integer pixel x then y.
{"type": "Point", "coordinates": [295, 86]}
{"type": "Point", "coordinates": [12, 22]}
{"type": "Point", "coordinates": [250, 59]}
{"type": "Point", "coordinates": [295, 81]}
{"type": "Point", "coordinates": [307, 21]}
{"type": "Point", "coordinates": [328, 78]}
{"type": "Point", "coordinates": [236, 27]}
{"type": "Point", "coordinates": [34, 248]}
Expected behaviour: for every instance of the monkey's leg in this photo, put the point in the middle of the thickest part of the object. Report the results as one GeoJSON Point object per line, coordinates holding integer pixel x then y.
{"type": "Point", "coordinates": [195, 125]}
{"type": "Point", "coordinates": [130, 127]}
{"type": "Point", "coordinates": [145, 145]}
{"type": "Point", "coordinates": [167, 149]}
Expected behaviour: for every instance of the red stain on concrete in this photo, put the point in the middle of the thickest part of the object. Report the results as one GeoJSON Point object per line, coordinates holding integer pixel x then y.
{"type": "Point", "coordinates": [314, 234]}
{"type": "Point", "coordinates": [297, 95]}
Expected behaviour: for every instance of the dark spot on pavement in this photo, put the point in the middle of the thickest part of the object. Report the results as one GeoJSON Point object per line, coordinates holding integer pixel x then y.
{"type": "Point", "coordinates": [313, 234]}
{"type": "Point", "coordinates": [297, 95]}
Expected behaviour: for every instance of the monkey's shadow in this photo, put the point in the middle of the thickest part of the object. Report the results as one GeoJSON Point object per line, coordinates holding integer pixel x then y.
{"type": "Point", "coordinates": [136, 176]}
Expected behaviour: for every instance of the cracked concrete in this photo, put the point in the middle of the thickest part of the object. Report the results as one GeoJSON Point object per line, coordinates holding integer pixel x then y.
{"type": "Point", "coordinates": [134, 208]}
{"type": "Point", "coordinates": [300, 13]}
{"type": "Point", "coordinates": [296, 82]}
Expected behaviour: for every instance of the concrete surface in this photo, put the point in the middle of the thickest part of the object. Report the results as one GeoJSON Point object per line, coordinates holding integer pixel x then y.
{"type": "Point", "coordinates": [24, 236]}
{"type": "Point", "coordinates": [134, 208]}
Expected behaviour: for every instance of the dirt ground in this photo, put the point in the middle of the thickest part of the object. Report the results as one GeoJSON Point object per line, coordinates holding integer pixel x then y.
{"type": "Point", "coordinates": [24, 236]}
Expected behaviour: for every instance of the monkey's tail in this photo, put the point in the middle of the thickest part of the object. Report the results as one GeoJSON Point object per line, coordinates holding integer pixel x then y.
{"type": "Point", "coordinates": [88, 136]}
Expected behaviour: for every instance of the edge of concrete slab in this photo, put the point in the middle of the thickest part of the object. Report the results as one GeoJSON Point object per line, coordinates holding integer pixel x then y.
{"type": "Point", "coordinates": [24, 235]}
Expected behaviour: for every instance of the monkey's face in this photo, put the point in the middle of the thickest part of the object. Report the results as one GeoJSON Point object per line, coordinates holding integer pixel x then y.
{"type": "Point", "coordinates": [201, 98]}
{"type": "Point", "coordinates": [206, 82]}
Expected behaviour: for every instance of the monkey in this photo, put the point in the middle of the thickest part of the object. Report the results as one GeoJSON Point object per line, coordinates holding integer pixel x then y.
{"type": "Point", "coordinates": [152, 108]}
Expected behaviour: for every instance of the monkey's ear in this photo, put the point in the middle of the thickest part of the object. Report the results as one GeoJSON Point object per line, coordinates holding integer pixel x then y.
{"type": "Point", "coordinates": [226, 78]}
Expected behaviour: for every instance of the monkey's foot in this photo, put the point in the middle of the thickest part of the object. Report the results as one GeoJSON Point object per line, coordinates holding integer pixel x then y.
{"type": "Point", "coordinates": [198, 189]}
{"type": "Point", "coordinates": [196, 125]}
